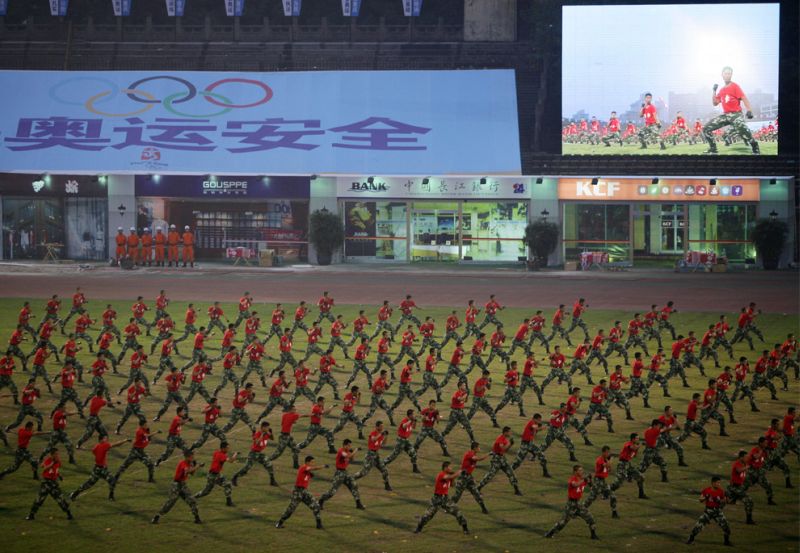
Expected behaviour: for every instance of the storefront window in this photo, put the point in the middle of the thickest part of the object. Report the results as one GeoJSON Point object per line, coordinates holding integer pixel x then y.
{"type": "Point", "coordinates": [723, 229]}
{"type": "Point", "coordinates": [86, 228]}
{"type": "Point", "coordinates": [597, 227]}
{"type": "Point", "coordinates": [493, 231]}
{"type": "Point", "coordinates": [28, 223]}
{"type": "Point", "coordinates": [376, 229]}
{"type": "Point", "coordinates": [433, 225]}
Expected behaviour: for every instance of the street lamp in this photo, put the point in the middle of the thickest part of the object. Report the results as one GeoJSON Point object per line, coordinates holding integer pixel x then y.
{"type": "Point", "coordinates": [122, 209]}
{"type": "Point", "coordinates": [773, 215]}
{"type": "Point", "coordinates": [544, 213]}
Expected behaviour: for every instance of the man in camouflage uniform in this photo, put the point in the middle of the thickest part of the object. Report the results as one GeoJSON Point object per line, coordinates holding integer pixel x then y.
{"type": "Point", "coordinates": [286, 440]}
{"type": "Point", "coordinates": [757, 461]}
{"type": "Point", "coordinates": [175, 440]}
{"type": "Point", "coordinates": [238, 413]}
{"type": "Point", "coordinates": [450, 331]}
{"type": "Point", "coordinates": [457, 415]}
{"type": "Point", "coordinates": [373, 456]}
{"type": "Point", "coordinates": [199, 373]}
{"type": "Point", "coordinates": [49, 485]}
{"type": "Point", "coordinates": [133, 408]}
{"type": "Point", "coordinates": [652, 126]}
{"type": "Point", "coordinates": [428, 378]}
{"type": "Point", "coordinates": [635, 335]}
{"type": "Point", "coordinates": [341, 476]}
{"type": "Point", "coordinates": [736, 490]}
{"type": "Point", "coordinates": [94, 423]}
{"type": "Point", "coordinates": [579, 364]}
{"type": "Point", "coordinates": [615, 344]}
{"type": "Point", "coordinates": [300, 493]}
{"type": "Point", "coordinates": [555, 431]}
{"type": "Point", "coordinates": [217, 478]}
{"type": "Point", "coordinates": [172, 395]}
{"type": "Point", "coordinates": [626, 470]}
{"type": "Point", "coordinates": [68, 393]}
{"type": "Point", "coordinates": [99, 472]}
{"type": "Point", "coordinates": [210, 414]}
{"type": "Point", "coordinates": [527, 380]}
{"type": "Point", "coordinates": [404, 390]}
{"type": "Point", "coordinates": [430, 417]}
{"type": "Point", "coordinates": [598, 405]}
{"type": "Point", "coordinates": [131, 342]}
{"type": "Point", "coordinates": [479, 401]}
{"type": "Point", "coordinates": [667, 439]}
{"type": "Point", "coordinates": [442, 501]}
{"type": "Point", "coordinates": [714, 499]}
{"type": "Point", "coordinates": [313, 347]}
{"type": "Point", "coordinates": [599, 487]}
{"type": "Point", "coordinates": [189, 329]}
{"type": "Point", "coordinates": [574, 508]}
{"type": "Point", "coordinates": [180, 490]}
{"type": "Point", "coordinates": [138, 454]}
{"type": "Point", "coordinates": [731, 97]}
{"type": "Point", "coordinates": [23, 454]}
{"type": "Point", "coordinates": [528, 447]}
{"type": "Point", "coordinates": [694, 425]}
{"type": "Point", "coordinates": [27, 408]}
{"type": "Point", "coordinates": [500, 462]}
{"type": "Point", "coordinates": [138, 359]}
{"type": "Point", "coordinates": [377, 401]}
{"type": "Point", "coordinates": [360, 365]}
{"type": "Point", "coordinates": [316, 429]}
{"type": "Point", "coordinates": [651, 454]}
{"type": "Point", "coordinates": [466, 481]}
{"type": "Point", "coordinates": [403, 444]}
{"type": "Point", "coordinates": [384, 358]}
{"type": "Point", "coordinates": [165, 360]}
{"type": "Point", "coordinates": [348, 415]}
{"type": "Point", "coordinates": [596, 351]}
{"type": "Point", "coordinates": [556, 370]}
{"type": "Point", "coordinates": [230, 360]}
{"type": "Point", "coordinates": [256, 455]}
{"type": "Point", "coordinates": [511, 394]}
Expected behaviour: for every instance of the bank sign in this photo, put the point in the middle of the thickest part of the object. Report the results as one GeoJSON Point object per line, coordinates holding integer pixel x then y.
{"type": "Point", "coordinates": [433, 188]}
{"type": "Point", "coordinates": [296, 123]}
{"type": "Point", "coordinates": [665, 190]}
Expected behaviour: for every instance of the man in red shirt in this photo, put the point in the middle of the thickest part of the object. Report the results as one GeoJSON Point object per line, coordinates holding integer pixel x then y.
{"type": "Point", "coordinates": [406, 376]}
{"type": "Point", "coordinates": [23, 454]}
{"type": "Point", "coordinates": [598, 405]}
{"type": "Point", "coordinates": [479, 402]}
{"type": "Point", "coordinates": [714, 499]}
{"type": "Point", "coordinates": [557, 324]}
{"type": "Point", "coordinates": [737, 487]}
{"type": "Point", "coordinates": [174, 438]}
{"type": "Point", "coordinates": [528, 447]}
{"type": "Point", "coordinates": [93, 423]}
{"type": "Point", "coordinates": [616, 394]}
{"type": "Point", "coordinates": [692, 424]}
{"type": "Point", "coordinates": [360, 364]}
{"type": "Point", "coordinates": [378, 388]}
{"type": "Point", "coordinates": [133, 398]}
{"type": "Point", "coordinates": [626, 470]}
{"type": "Point", "coordinates": [285, 348]}
{"type": "Point", "coordinates": [138, 359]}
{"type": "Point", "coordinates": [613, 131]}
{"type": "Point", "coordinates": [441, 500]}
{"type": "Point", "coordinates": [359, 328]}
{"type": "Point", "coordinates": [490, 313]}
{"type": "Point", "coordinates": [312, 347]}
{"type": "Point", "coordinates": [343, 457]}
{"type": "Point", "coordinates": [14, 343]}
{"type": "Point", "coordinates": [24, 318]}
{"type": "Point", "coordinates": [300, 493]}
{"type": "Point", "coordinates": [676, 367]}
{"type": "Point", "coordinates": [280, 386]}
{"type": "Point", "coordinates": [450, 327]}
{"type": "Point", "coordinates": [351, 399]}
{"type": "Point", "coordinates": [315, 428]}
{"type": "Point", "coordinates": [243, 396]}
{"type": "Point", "coordinates": [578, 310]}
{"type": "Point", "coordinates": [278, 314]}
{"type": "Point", "coordinates": [245, 302]}
{"type": "Point", "coordinates": [211, 412]}
{"type": "Point", "coordinates": [30, 393]}
{"type": "Point", "coordinates": [635, 337]}
{"type": "Point", "coordinates": [165, 327]}
{"type": "Point", "coordinates": [52, 308]}
{"type": "Point", "coordinates": [428, 378]}
{"type": "Point", "coordinates": [6, 377]}
{"type": "Point", "coordinates": [731, 97]}
{"type": "Point", "coordinates": [254, 352]}
{"type": "Point", "coordinates": [556, 431]}
{"type": "Point", "coordinates": [499, 461]}
{"type": "Point", "coordinates": [775, 451]}
{"type": "Point", "coordinates": [39, 359]}
{"type": "Point", "coordinates": [407, 346]}
{"type": "Point", "coordinates": [789, 442]}
{"type": "Point", "coordinates": [256, 455]}
{"type": "Point", "coordinates": [215, 316]}
{"type": "Point", "coordinates": [404, 431]}
{"type": "Point", "coordinates": [215, 476]}
{"type": "Point", "coordinates": [652, 440]}
{"type": "Point", "coordinates": [466, 481]}
{"type": "Point", "coordinates": [652, 125]}
{"type": "Point", "coordinates": [407, 307]}
{"type": "Point", "coordinates": [229, 361]}
{"type": "Point", "coordinates": [431, 416]}
{"type": "Point", "coordinates": [372, 458]}
{"type": "Point", "coordinates": [51, 468]}
{"type": "Point", "coordinates": [100, 470]}
{"type": "Point", "coordinates": [557, 361]}
{"type": "Point", "coordinates": [325, 304]}
{"type": "Point", "coordinates": [470, 314]}
{"type": "Point", "coordinates": [710, 408]}
{"type": "Point", "coordinates": [615, 342]}
{"type": "Point", "coordinates": [326, 365]}
{"type": "Point", "coordinates": [599, 485]}
{"type": "Point", "coordinates": [78, 301]}
{"type": "Point", "coordinates": [537, 323]}
{"type": "Point", "coordinates": [189, 319]}
{"type": "Point", "coordinates": [179, 490]}
{"type": "Point", "coordinates": [288, 419]}
{"type": "Point", "coordinates": [299, 314]}
{"type": "Point", "coordinates": [457, 415]}
{"type": "Point", "coordinates": [174, 381]}
{"type": "Point", "coordinates": [199, 373]}
{"type": "Point", "coordinates": [757, 468]}
{"type": "Point", "coordinates": [579, 361]}
{"type": "Point", "coordinates": [511, 394]}
{"type": "Point", "coordinates": [574, 508]}
{"type": "Point", "coordinates": [384, 314]}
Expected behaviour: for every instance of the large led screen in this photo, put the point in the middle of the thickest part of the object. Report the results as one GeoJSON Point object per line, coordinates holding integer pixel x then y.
{"type": "Point", "coordinates": [690, 79]}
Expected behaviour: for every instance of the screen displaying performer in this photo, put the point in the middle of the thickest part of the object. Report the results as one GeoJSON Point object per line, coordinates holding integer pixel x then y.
{"type": "Point", "coordinates": [690, 79]}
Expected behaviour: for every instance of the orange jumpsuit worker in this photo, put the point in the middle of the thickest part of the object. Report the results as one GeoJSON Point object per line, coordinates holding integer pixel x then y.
{"type": "Point", "coordinates": [173, 238]}
{"type": "Point", "coordinates": [133, 245]}
{"type": "Point", "coordinates": [147, 247]}
{"type": "Point", "coordinates": [160, 240]}
{"type": "Point", "coordinates": [121, 242]}
{"type": "Point", "coordinates": [188, 246]}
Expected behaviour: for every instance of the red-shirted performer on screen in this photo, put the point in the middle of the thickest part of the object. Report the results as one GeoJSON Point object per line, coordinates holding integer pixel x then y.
{"type": "Point", "coordinates": [652, 125]}
{"type": "Point", "coordinates": [731, 97]}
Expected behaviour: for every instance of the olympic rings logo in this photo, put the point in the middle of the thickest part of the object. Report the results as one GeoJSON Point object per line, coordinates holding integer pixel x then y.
{"type": "Point", "coordinates": [135, 93]}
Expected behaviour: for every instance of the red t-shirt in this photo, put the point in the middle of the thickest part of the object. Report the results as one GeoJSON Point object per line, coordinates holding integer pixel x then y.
{"type": "Point", "coordinates": [738, 473]}
{"type": "Point", "coordinates": [96, 404]}
{"type": "Point", "coordinates": [469, 461]}
{"type": "Point", "coordinates": [649, 114]}
{"type": "Point", "coordinates": [730, 96]}
{"type": "Point", "coordinates": [287, 421]}
{"type": "Point", "coordinates": [182, 471]}
{"type": "Point", "coordinates": [101, 453]}
{"type": "Point", "coordinates": [260, 440]}
{"type": "Point", "coordinates": [458, 400]}
{"type": "Point", "coordinates": [575, 487]}
{"type": "Point", "coordinates": [175, 426]}
{"type": "Point", "coordinates": [24, 437]}
{"type": "Point", "coordinates": [217, 461]}
{"type": "Point", "coordinates": [442, 486]}
{"type": "Point", "coordinates": [651, 436]}
{"type": "Point", "coordinates": [714, 497]}
{"type": "Point", "coordinates": [142, 439]}
{"type": "Point", "coordinates": [406, 428]}
{"type": "Point", "coordinates": [342, 459]}
{"type": "Point", "coordinates": [602, 467]}
{"type": "Point", "coordinates": [50, 469]}
{"type": "Point", "coordinates": [530, 431]}
{"type": "Point", "coordinates": [500, 445]}
{"type": "Point", "coordinates": [375, 440]}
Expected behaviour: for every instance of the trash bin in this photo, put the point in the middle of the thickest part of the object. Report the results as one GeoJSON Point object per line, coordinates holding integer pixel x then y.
{"type": "Point", "coordinates": [265, 258]}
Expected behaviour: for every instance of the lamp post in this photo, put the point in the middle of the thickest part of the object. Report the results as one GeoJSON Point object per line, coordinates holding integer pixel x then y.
{"type": "Point", "coordinates": [122, 209]}
{"type": "Point", "coordinates": [773, 215]}
{"type": "Point", "coordinates": [544, 213]}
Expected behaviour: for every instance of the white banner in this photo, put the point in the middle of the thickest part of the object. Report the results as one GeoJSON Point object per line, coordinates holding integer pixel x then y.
{"type": "Point", "coordinates": [434, 188]}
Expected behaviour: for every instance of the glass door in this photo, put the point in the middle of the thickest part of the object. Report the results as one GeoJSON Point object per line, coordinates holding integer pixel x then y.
{"type": "Point", "coordinates": [673, 225]}
{"type": "Point", "coordinates": [435, 231]}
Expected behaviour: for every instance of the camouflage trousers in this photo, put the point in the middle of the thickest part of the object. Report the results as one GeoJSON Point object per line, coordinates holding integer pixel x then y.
{"type": "Point", "coordinates": [775, 460]}
{"type": "Point", "coordinates": [654, 376]}
{"type": "Point", "coordinates": [39, 371]}
{"type": "Point", "coordinates": [243, 316]}
{"type": "Point", "coordinates": [615, 136]}
{"type": "Point", "coordinates": [380, 326]}
{"type": "Point", "coordinates": [67, 395]}
{"type": "Point", "coordinates": [498, 463]}
{"type": "Point", "coordinates": [573, 509]}
{"type": "Point", "coordinates": [301, 495]}
{"type": "Point", "coordinates": [93, 424]}
{"type": "Point", "coordinates": [453, 370]}
{"type": "Point", "coordinates": [481, 404]}
{"type": "Point", "coordinates": [236, 416]}
{"type": "Point", "coordinates": [620, 399]}
{"type": "Point", "coordinates": [511, 395]}
{"type": "Point", "coordinates": [530, 448]}
{"type": "Point", "coordinates": [302, 391]}
{"type": "Point", "coordinates": [557, 433]}
{"type": "Point", "coordinates": [626, 470]}
{"type": "Point", "coordinates": [359, 366]}
{"type": "Point", "coordinates": [466, 482]}
{"type": "Point", "coordinates": [598, 409]}
{"type": "Point", "coordinates": [597, 354]}
{"type": "Point", "coordinates": [649, 132]}
{"type": "Point", "coordinates": [254, 366]}
{"type": "Point", "coordinates": [227, 376]}
{"type": "Point", "coordinates": [490, 319]}
{"type": "Point", "coordinates": [449, 335]}
{"type": "Point", "coordinates": [668, 441]}
{"type": "Point", "coordinates": [558, 329]}
{"type": "Point", "coordinates": [498, 352]}
{"type": "Point", "coordinates": [676, 368]}
{"type": "Point", "coordinates": [739, 493]}
{"type": "Point", "coordinates": [404, 391]}
{"type": "Point", "coordinates": [578, 365]}
{"type": "Point", "coordinates": [652, 333]}
{"type": "Point", "coordinates": [133, 375]}
{"type": "Point", "coordinates": [476, 361]}
{"type": "Point", "coordinates": [457, 416]}
{"type": "Point", "coordinates": [616, 347]}
{"type": "Point", "coordinates": [315, 430]}
{"type": "Point", "coordinates": [51, 488]}
{"type": "Point", "coordinates": [27, 411]}
{"type": "Point", "coordinates": [252, 458]}
{"type": "Point", "coordinates": [779, 372]}
{"type": "Point", "coordinates": [742, 334]}
{"type": "Point", "coordinates": [179, 490]}
{"type": "Point", "coordinates": [327, 315]}
{"type": "Point", "coordinates": [406, 318]}
{"type": "Point", "coordinates": [760, 380]}
{"type": "Point", "coordinates": [384, 359]}
{"type": "Point", "coordinates": [706, 352]}
{"type": "Point", "coordinates": [357, 336]}
{"type": "Point", "coordinates": [635, 340]}
{"type": "Point", "coordinates": [403, 445]}
{"type": "Point", "coordinates": [538, 335]}
{"type": "Point", "coordinates": [529, 382]}
{"type": "Point", "coordinates": [376, 402]}
{"type": "Point", "coordinates": [286, 359]}
{"type": "Point", "coordinates": [198, 388]}
{"type": "Point", "coordinates": [215, 323]}
{"type": "Point", "coordinates": [736, 122]}
{"type": "Point", "coordinates": [406, 352]}
{"type": "Point", "coordinates": [165, 364]}
{"type": "Point", "coordinates": [758, 476]}
{"type": "Point", "coordinates": [208, 430]}
{"type": "Point", "coordinates": [98, 473]}
{"type": "Point", "coordinates": [555, 372]}
{"type": "Point", "coordinates": [272, 402]}
{"type": "Point", "coordinates": [470, 329]}
{"type": "Point", "coordinates": [712, 413]}
{"type": "Point", "coordinates": [428, 343]}
{"type": "Point", "coordinates": [578, 322]}
{"type": "Point", "coordinates": [58, 437]}
{"type": "Point", "coordinates": [79, 368]}
{"type": "Point", "coordinates": [188, 330]}
{"type": "Point", "coordinates": [429, 381]}
{"type": "Point", "coordinates": [432, 433]}
{"type": "Point", "coordinates": [14, 350]}
{"type": "Point", "coordinates": [172, 397]}
{"type": "Point", "coordinates": [341, 477]}
{"type": "Point", "coordinates": [131, 409]}
{"type": "Point", "coordinates": [742, 390]}
{"type": "Point", "coordinates": [173, 441]}
{"type": "Point", "coordinates": [135, 454]}
{"type": "Point", "coordinates": [327, 378]}
{"type": "Point", "coordinates": [709, 515]}
{"type": "Point", "coordinates": [444, 503]}
{"type": "Point", "coordinates": [638, 388]}
{"type": "Point", "coordinates": [284, 441]}
{"type": "Point", "coordinates": [601, 489]}
{"type": "Point", "coordinates": [691, 426]}
{"type": "Point", "coordinates": [349, 416]}
{"type": "Point", "coordinates": [215, 479]}
{"type": "Point", "coordinates": [373, 459]}
{"type": "Point", "coordinates": [689, 359]}
{"type": "Point", "coordinates": [652, 456]}
{"type": "Point", "coordinates": [312, 349]}
{"type": "Point", "coordinates": [22, 455]}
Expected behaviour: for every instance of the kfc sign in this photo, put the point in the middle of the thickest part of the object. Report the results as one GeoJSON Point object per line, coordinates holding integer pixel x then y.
{"type": "Point", "coordinates": [603, 189]}
{"type": "Point", "coordinates": [660, 190]}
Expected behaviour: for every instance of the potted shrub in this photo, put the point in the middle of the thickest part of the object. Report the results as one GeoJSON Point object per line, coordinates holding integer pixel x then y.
{"type": "Point", "coordinates": [326, 234]}
{"type": "Point", "coordinates": [768, 236]}
{"type": "Point", "coordinates": [541, 238]}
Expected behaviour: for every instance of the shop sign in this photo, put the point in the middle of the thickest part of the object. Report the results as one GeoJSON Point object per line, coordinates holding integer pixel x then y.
{"type": "Point", "coordinates": [666, 190]}
{"type": "Point", "coordinates": [176, 186]}
{"type": "Point", "coordinates": [12, 184]}
{"type": "Point", "coordinates": [434, 188]}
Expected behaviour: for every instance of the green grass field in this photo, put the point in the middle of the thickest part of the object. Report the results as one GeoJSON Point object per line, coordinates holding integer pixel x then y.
{"type": "Point", "coordinates": [738, 149]}
{"type": "Point", "coordinates": [514, 523]}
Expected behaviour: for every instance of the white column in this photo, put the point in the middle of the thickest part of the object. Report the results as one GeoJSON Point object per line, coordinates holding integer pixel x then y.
{"type": "Point", "coordinates": [121, 192]}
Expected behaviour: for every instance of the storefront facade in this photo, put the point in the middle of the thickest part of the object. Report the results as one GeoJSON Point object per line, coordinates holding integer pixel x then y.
{"type": "Point", "coordinates": [253, 212]}
{"type": "Point", "coordinates": [65, 214]}
{"type": "Point", "coordinates": [643, 220]}
{"type": "Point", "coordinates": [447, 219]}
